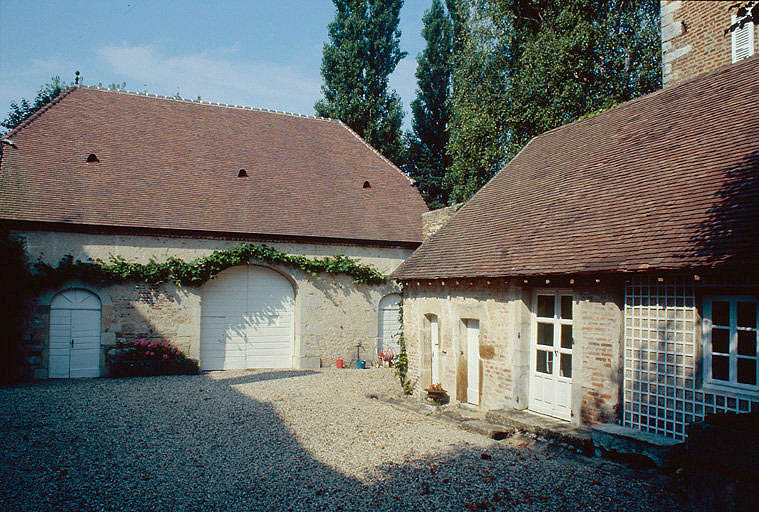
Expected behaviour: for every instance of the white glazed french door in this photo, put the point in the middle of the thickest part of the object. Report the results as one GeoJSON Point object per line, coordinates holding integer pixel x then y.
{"type": "Point", "coordinates": [551, 354]}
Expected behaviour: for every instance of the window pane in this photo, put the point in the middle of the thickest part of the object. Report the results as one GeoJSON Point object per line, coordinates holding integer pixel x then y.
{"type": "Point", "coordinates": [747, 343]}
{"type": "Point", "coordinates": [721, 340]}
{"type": "Point", "coordinates": [546, 306]}
{"type": "Point", "coordinates": [545, 334]}
{"type": "Point", "coordinates": [566, 307]}
{"type": "Point", "coordinates": [747, 314]}
{"type": "Point", "coordinates": [566, 336]}
{"type": "Point", "coordinates": [566, 365]}
{"type": "Point", "coordinates": [720, 313]}
{"type": "Point", "coordinates": [747, 371]}
{"type": "Point", "coordinates": [721, 368]}
{"type": "Point", "coordinates": [545, 362]}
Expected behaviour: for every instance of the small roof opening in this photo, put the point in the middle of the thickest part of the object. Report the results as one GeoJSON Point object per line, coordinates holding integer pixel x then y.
{"type": "Point", "coordinates": [367, 184]}
{"type": "Point", "coordinates": [242, 173]}
{"type": "Point", "coordinates": [92, 158]}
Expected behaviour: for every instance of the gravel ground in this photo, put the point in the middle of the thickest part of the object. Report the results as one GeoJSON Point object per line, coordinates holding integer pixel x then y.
{"type": "Point", "coordinates": [279, 440]}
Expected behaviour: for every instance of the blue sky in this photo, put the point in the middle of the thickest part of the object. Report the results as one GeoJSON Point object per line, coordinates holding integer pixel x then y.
{"type": "Point", "coordinates": [258, 53]}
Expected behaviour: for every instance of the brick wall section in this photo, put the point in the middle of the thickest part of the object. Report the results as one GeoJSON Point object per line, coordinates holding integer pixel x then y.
{"type": "Point", "coordinates": [693, 38]}
{"type": "Point", "coordinates": [598, 326]}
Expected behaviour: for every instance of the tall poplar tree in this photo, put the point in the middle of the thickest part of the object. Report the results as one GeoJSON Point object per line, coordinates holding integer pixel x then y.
{"type": "Point", "coordinates": [363, 50]}
{"type": "Point", "coordinates": [426, 160]}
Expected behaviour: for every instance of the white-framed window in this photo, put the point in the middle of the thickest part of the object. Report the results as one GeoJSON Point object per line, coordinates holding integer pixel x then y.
{"type": "Point", "coordinates": [742, 41]}
{"type": "Point", "coordinates": [731, 338]}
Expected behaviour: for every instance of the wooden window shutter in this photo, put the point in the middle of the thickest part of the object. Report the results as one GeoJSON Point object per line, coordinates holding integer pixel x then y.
{"type": "Point", "coordinates": [742, 41]}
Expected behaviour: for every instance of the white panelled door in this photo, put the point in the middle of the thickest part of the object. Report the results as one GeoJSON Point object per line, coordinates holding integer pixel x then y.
{"type": "Point", "coordinates": [473, 361]}
{"type": "Point", "coordinates": [247, 316]}
{"type": "Point", "coordinates": [74, 349]}
{"type": "Point", "coordinates": [435, 342]}
{"type": "Point", "coordinates": [551, 358]}
{"type": "Point", "coordinates": [389, 323]}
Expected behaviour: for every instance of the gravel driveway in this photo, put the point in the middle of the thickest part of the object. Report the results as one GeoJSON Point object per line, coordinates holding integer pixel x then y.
{"type": "Point", "coordinates": [278, 440]}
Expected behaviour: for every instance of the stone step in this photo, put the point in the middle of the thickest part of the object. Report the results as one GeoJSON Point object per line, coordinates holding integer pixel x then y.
{"type": "Point", "coordinates": [616, 440]}
{"type": "Point", "coordinates": [549, 428]}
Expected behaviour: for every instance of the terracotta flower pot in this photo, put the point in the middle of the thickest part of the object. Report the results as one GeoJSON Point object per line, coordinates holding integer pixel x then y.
{"type": "Point", "coordinates": [436, 394]}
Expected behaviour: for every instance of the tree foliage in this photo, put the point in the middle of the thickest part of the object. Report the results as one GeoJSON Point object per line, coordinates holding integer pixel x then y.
{"type": "Point", "coordinates": [527, 66]}
{"type": "Point", "coordinates": [426, 160]}
{"type": "Point", "coordinates": [21, 111]}
{"type": "Point", "coordinates": [14, 293]}
{"type": "Point", "coordinates": [363, 50]}
{"type": "Point", "coordinates": [745, 12]}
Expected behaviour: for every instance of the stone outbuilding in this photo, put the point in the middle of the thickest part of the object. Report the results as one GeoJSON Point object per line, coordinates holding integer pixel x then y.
{"type": "Point", "coordinates": [100, 173]}
{"type": "Point", "coordinates": [609, 272]}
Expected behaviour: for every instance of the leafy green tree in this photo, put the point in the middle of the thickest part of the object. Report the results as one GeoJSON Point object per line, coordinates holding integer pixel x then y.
{"type": "Point", "coordinates": [363, 50]}
{"type": "Point", "coordinates": [426, 160]}
{"type": "Point", "coordinates": [479, 103]}
{"type": "Point", "coordinates": [527, 66]}
{"type": "Point", "coordinates": [20, 111]}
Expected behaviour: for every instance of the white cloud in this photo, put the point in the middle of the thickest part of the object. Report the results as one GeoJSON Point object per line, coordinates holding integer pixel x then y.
{"type": "Point", "coordinates": [216, 75]}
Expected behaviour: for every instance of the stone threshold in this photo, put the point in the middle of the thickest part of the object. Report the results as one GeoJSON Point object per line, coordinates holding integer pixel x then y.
{"type": "Point", "coordinates": [605, 440]}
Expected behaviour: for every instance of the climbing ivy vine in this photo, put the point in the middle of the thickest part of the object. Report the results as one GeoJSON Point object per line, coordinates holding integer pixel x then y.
{"type": "Point", "coordinates": [198, 271]}
{"type": "Point", "coordinates": [401, 362]}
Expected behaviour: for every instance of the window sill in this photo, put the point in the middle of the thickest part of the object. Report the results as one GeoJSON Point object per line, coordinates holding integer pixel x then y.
{"type": "Point", "coordinates": [745, 393]}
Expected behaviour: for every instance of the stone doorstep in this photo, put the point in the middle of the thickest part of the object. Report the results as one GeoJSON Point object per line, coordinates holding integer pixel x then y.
{"type": "Point", "coordinates": [610, 438]}
{"type": "Point", "coordinates": [579, 438]}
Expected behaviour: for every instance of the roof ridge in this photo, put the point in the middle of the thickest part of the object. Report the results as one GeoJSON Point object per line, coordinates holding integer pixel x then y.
{"type": "Point", "coordinates": [37, 113]}
{"type": "Point", "coordinates": [383, 157]}
{"type": "Point", "coordinates": [206, 103]}
{"type": "Point", "coordinates": [651, 94]}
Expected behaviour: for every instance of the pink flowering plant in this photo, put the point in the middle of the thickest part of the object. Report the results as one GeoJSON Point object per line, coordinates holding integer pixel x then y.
{"type": "Point", "coordinates": [152, 350]}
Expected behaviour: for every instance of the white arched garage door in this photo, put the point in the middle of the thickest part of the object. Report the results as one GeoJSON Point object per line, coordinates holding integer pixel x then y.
{"type": "Point", "coordinates": [74, 349]}
{"type": "Point", "coordinates": [389, 323]}
{"type": "Point", "coordinates": [246, 320]}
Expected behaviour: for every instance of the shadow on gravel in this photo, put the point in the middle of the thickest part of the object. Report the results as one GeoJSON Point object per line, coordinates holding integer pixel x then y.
{"type": "Point", "coordinates": [258, 377]}
{"type": "Point", "coordinates": [193, 443]}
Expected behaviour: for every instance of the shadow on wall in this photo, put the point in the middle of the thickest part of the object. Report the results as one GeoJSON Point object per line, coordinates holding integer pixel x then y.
{"type": "Point", "coordinates": [730, 233]}
{"type": "Point", "coordinates": [198, 443]}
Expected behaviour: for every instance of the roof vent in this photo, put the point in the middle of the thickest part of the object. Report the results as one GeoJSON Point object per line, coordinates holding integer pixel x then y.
{"type": "Point", "coordinates": [242, 174]}
{"type": "Point", "coordinates": [92, 158]}
{"type": "Point", "coordinates": [367, 184]}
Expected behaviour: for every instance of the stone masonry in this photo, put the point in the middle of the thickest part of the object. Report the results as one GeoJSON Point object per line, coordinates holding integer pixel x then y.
{"type": "Point", "coordinates": [503, 308]}
{"type": "Point", "coordinates": [332, 314]}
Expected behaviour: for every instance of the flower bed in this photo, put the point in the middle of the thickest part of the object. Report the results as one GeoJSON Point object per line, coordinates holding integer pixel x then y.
{"type": "Point", "coordinates": [142, 358]}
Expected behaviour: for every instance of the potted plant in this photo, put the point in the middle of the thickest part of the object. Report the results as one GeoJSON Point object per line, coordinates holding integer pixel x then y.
{"type": "Point", "coordinates": [436, 392]}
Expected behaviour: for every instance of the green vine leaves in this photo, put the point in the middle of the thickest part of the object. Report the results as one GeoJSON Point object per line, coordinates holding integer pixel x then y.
{"type": "Point", "coordinates": [200, 270]}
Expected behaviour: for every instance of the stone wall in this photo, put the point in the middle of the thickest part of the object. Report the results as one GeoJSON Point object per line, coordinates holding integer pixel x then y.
{"type": "Point", "coordinates": [693, 38]}
{"type": "Point", "coordinates": [503, 309]}
{"type": "Point", "coordinates": [433, 220]}
{"type": "Point", "coordinates": [332, 314]}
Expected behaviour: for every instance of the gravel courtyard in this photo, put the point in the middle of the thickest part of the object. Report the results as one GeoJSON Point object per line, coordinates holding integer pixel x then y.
{"type": "Point", "coordinates": [279, 440]}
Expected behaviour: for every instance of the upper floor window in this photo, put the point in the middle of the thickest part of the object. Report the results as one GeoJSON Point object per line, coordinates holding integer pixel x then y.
{"type": "Point", "coordinates": [742, 41]}
{"type": "Point", "coordinates": [731, 327]}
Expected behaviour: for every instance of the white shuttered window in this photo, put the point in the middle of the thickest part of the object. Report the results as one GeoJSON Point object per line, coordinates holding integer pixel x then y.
{"type": "Point", "coordinates": [742, 41]}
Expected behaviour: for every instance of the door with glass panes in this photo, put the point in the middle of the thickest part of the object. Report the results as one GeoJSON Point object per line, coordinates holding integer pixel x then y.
{"type": "Point", "coordinates": [551, 354]}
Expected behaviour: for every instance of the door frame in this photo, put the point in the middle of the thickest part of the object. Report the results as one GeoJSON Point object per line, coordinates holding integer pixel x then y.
{"type": "Point", "coordinates": [557, 293]}
{"type": "Point", "coordinates": [469, 364]}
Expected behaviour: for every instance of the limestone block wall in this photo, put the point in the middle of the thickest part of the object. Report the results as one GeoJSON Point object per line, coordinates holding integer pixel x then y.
{"type": "Point", "coordinates": [332, 313]}
{"type": "Point", "coordinates": [504, 311]}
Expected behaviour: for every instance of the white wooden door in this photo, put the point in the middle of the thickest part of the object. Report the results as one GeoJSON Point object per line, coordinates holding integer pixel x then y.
{"type": "Point", "coordinates": [74, 349]}
{"type": "Point", "coordinates": [551, 358]}
{"type": "Point", "coordinates": [473, 361]}
{"type": "Point", "coordinates": [389, 323]}
{"type": "Point", "coordinates": [435, 342]}
{"type": "Point", "coordinates": [246, 320]}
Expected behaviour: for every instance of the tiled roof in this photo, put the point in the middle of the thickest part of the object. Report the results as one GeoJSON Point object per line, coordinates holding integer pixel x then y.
{"type": "Point", "coordinates": [666, 181]}
{"type": "Point", "coordinates": [173, 164]}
